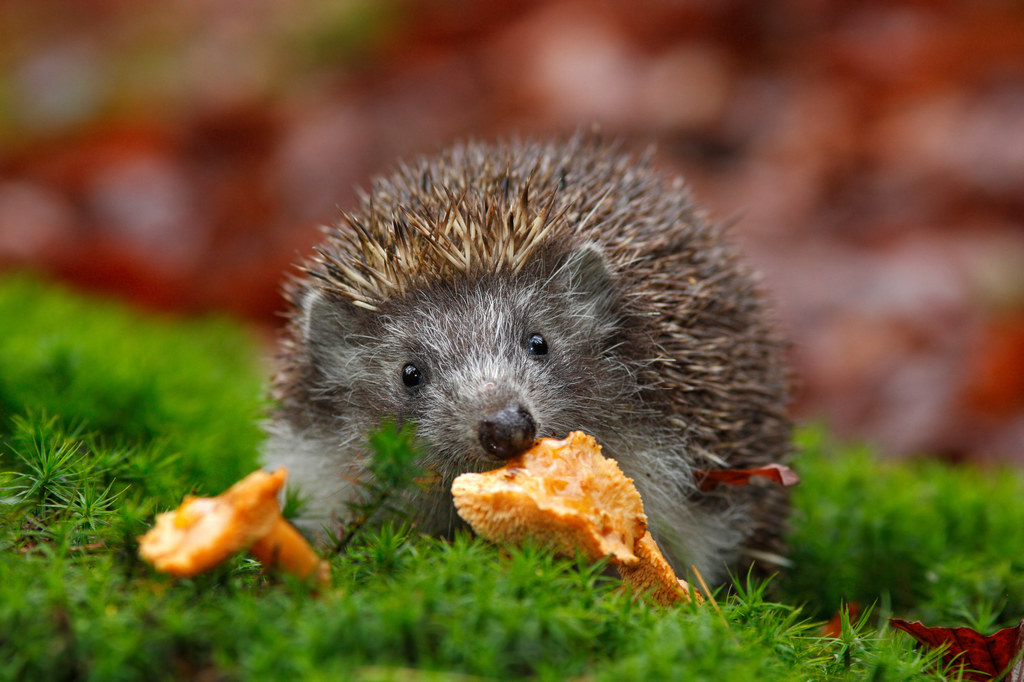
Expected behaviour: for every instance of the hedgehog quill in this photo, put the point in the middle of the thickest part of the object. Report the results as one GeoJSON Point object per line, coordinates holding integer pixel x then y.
{"type": "Point", "coordinates": [495, 294]}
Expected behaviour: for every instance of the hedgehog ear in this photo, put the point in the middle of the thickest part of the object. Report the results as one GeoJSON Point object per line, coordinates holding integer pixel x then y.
{"type": "Point", "coordinates": [587, 275]}
{"type": "Point", "coordinates": [327, 322]}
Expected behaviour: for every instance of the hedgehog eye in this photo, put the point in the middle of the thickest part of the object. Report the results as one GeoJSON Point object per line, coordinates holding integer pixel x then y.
{"type": "Point", "coordinates": [537, 345]}
{"type": "Point", "coordinates": [412, 376]}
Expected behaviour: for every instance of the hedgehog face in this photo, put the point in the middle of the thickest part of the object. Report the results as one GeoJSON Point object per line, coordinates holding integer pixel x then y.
{"type": "Point", "coordinates": [478, 367]}
{"type": "Point", "coordinates": [482, 365]}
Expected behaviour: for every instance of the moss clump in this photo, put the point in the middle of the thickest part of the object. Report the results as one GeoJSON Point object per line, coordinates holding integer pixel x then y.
{"type": "Point", "coordinates": [942, 542]}
{"type": "Point", "coordinates": [107, 416]}
{"type": "Point", "coordinates": [191, 389]}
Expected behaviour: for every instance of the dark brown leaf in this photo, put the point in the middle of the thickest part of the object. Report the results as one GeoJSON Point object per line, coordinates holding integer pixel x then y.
{"type": "Point", "coordinates": [982, 657]}
{"type": "Point", "coordinates": [709, 478]}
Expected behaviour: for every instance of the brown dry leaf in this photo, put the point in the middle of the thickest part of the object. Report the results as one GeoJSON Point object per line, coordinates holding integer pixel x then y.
{"type": "Point", "coordinates": [982, 657]}
{"type": "Point", "coordinates": [780, 473]}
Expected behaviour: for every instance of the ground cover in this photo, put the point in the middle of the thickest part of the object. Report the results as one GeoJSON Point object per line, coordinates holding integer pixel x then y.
{"type": "Point", "coordinates": [108, 415]}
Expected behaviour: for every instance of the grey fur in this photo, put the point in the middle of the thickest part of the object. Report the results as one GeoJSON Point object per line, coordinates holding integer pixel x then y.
{"type": "Point", "coordinates": [659, 344]}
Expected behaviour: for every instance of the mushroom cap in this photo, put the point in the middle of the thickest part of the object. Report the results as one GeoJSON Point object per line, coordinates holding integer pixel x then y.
{"type": "Point", "coordinates": [562, 493]}
{"type": "Point", "coordinates": [204, 531]}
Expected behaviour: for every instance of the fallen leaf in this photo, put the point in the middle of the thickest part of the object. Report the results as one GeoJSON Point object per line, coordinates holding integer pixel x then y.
{"type": "Point", "coordinates": [834, 627]}
{"type": "Point", "coordinates": [780, 473]}
{"type": "Point", "coordinates": [982, 657]}
{"type": "Point", "coordinates": [995, 368]}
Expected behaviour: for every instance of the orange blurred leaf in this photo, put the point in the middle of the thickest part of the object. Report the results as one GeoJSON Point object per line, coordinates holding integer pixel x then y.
{"type": "Point", "coordinates": [996, 368]}
{"type": "Point", "coordinates": [834, 627]}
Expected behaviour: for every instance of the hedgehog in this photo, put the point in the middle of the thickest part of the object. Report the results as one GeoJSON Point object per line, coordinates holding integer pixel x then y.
{"type": "Point", "coordinates": [497, 293]}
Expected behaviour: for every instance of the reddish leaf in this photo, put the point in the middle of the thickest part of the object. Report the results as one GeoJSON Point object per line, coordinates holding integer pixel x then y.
{"type": "Point", "coordinates": [709, 478]}
{"type": "Point", "coordinates": [983, 658]}
{"type": "Point", "coordinates": [834, 627]}
{"type": "Point", "coordinates": [996, 366]}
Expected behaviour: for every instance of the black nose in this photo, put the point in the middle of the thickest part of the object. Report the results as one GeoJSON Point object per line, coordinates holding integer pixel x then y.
{"type": "Point", "coordinates": [508, 432]}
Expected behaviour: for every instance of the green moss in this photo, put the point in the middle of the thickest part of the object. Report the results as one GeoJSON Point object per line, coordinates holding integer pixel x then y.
{"type": "Point", "coordinates": [190, 388]}
{"type": "Point", "coordinates": [921, 536]}
{"type": "Point", "coordinates": [109, 416]}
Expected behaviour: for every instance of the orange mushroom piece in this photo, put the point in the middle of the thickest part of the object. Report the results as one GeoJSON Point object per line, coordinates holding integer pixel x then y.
{"type": "Point", "coordinates": [205, 531]}
{"type": "Point", "coordinates": [565, 494]}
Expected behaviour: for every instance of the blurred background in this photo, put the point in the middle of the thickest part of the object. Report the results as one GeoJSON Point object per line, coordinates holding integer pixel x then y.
{"type": "Point", "coordinates": [870, 155]}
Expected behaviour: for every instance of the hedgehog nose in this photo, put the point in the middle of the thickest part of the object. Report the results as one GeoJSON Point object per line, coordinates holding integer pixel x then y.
{"type": "Point", "coordinates": [508, 432]}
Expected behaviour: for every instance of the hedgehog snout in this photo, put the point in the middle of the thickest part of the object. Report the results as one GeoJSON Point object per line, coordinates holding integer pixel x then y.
{"type": "Point", "coordinates": [507, 432]}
